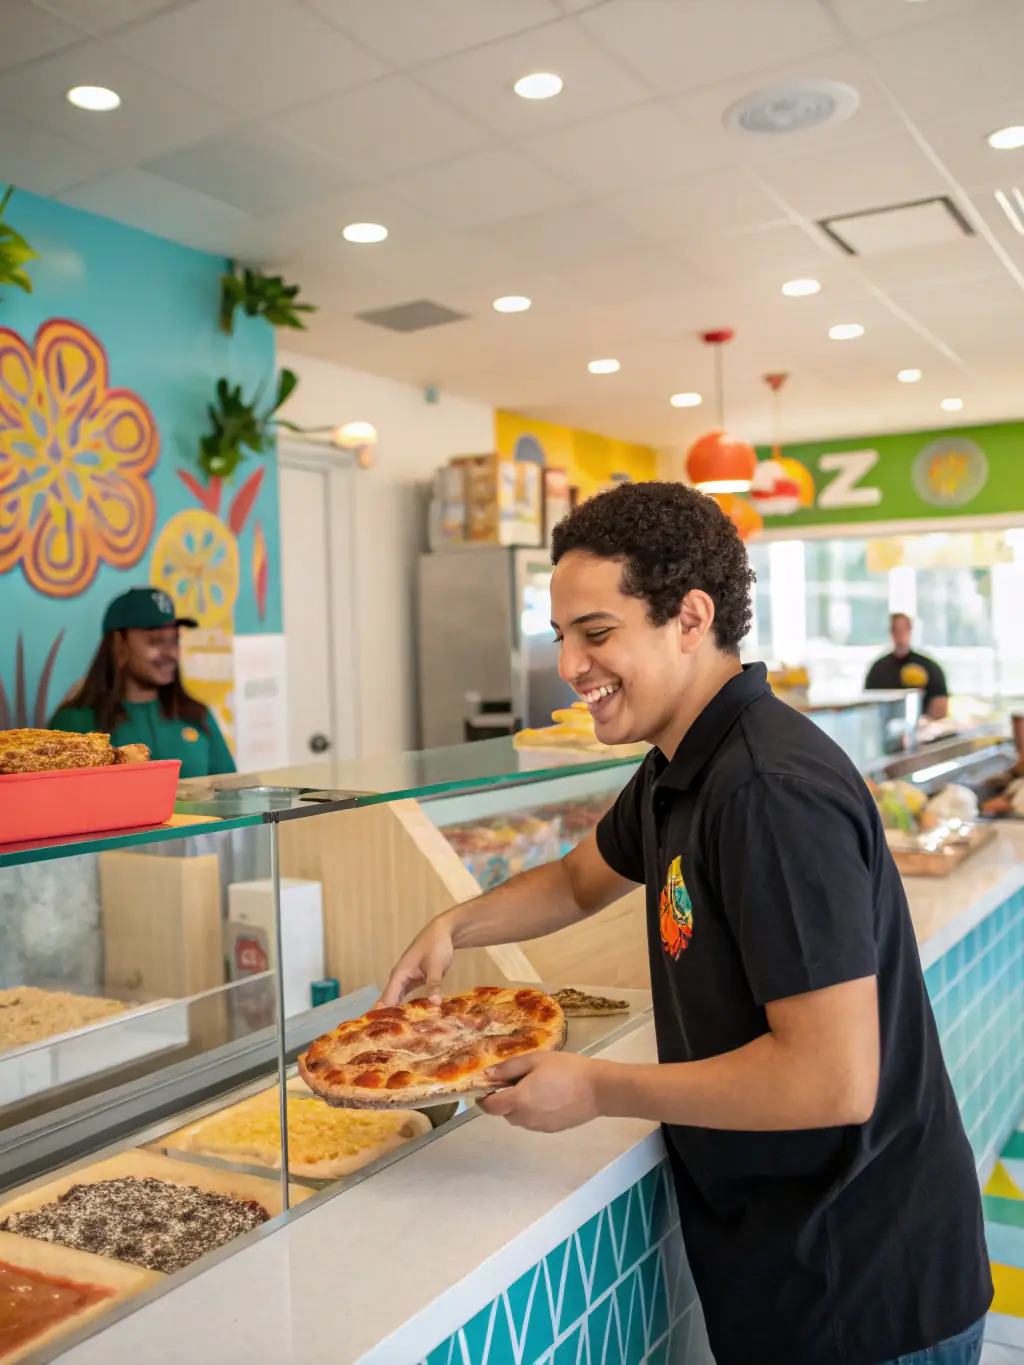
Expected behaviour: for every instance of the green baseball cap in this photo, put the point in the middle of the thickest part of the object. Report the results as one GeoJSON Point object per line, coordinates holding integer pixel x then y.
{"type": "Point", "coordinates": [143, 609]}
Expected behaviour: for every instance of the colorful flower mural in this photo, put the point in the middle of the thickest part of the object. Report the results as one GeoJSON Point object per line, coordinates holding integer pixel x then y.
{"type": "Point", "coordinates": [75, 456]}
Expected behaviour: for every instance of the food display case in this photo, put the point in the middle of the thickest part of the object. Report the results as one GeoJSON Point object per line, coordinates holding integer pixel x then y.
{"type": "Point", "coordinates": [152, 1122]}
{"type": "Point", "coordinates": [162, 1164]}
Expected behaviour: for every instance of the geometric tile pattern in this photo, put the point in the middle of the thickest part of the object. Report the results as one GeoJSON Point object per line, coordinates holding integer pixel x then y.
{"type": "Point", "coordinates": [1004, 1230]}
{"type": "Point", "coordinates": [977, 993]}
{"type": "Point", "coordinates": [617, 1292]}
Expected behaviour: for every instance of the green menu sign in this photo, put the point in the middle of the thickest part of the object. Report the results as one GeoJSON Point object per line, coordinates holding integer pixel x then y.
{"type": "Point", "coordinates": [970, 471]}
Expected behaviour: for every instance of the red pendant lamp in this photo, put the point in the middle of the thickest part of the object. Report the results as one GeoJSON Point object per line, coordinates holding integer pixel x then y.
{"type": "Point", "coordinates": [718, 463]}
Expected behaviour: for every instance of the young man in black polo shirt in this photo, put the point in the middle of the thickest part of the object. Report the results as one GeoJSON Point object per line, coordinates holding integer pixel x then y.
{"type": "Point", "coordinates": [827, 1190]}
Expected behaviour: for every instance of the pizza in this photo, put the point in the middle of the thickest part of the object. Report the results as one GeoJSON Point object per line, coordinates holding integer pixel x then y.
{"type": "Point", "coordinates": [400, 1055]}
{"type": "Point", "coordinates": [323, 1144]}
{"type": "Point", "coordinates": [579, 1005]}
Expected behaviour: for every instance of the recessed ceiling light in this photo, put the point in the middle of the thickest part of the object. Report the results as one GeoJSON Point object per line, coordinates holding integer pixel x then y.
{"type": "Point", "coordinates": [1007, 139]}
{"type": "Point", "coordinates": [686, 400]}
{"type": "Point", "coordinates": [846, 331]}
{"type": "Point", "coordinates": [603, 366]}
{"type": "Point", "coordinates": [909, 376]}
{"type": "Point", "coordinates": [365, 232]}
{"type": "Point", "coordinates": [541, 85]}
{"type": "Point", "coordinates": [96, 98]}
{"type": "Point", "coordinates": [512, 303]}
{"type": "Point", "coordinates": [951, 404]}
{"type": "Point", "coordinates": [799, 289]}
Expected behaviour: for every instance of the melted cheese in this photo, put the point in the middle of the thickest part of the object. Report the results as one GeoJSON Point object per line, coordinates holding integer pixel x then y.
{"type": "Point", "coordinates": [315, 1133]}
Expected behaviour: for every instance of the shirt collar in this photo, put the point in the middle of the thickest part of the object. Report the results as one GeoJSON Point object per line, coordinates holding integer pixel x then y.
{"type": "Point", "coordinates": [711, 726]}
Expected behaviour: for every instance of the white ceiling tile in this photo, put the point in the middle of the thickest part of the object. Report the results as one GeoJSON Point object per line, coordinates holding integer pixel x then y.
{"type": "Point", "coordinates": [251, 168]}
{"type": "Point", "coordinates": [959, 137]}
{"type": "Point", "coordinates": [980, 56]}
{"type": "Point", "coordinates": [682, 45]}
{"type": "Point", "coordinates": [947, 304]}
{"type": "Point", "coordinates": [155, 205]}
{"type": "Point", "coordinates": [628, 276]}
{"type": "Point", "coordinates": [40, 161]}
{"type": "Point", "coordinates": [102, 16]}
{"type": "Point", "coordinates": [485, 187]}
{"type": "Point", "coordinates": [961, 263]}
{"type": "Point", "coordinates": [784, 252]}
{"type": "Point", "coordinates": [156, 114]}
{"type": "Point", "coordinates": [564, 237]}
{"type": "Point", "coordinates": [384, 129]}
{"type": "Point", "coordinates": [253, 56]}
{"type": "Point", "coordinates": [481, 81]}
{"type": "Point", "coordinates": [873, 18]}
{"type": "Point", "coordinates": [820, 184]}
{"type": "Point", "coordinates": [27, 32]}
{"type": "Point", "coordinates": [408, 32]}
{"type": "Point", "coordinates": [696, 207]}
{"type": "Point", "coordinates": [626, 150]}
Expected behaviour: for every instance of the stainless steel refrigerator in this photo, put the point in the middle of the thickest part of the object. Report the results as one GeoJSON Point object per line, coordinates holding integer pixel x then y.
{"type": "Point", "coordinates": [485, 643]}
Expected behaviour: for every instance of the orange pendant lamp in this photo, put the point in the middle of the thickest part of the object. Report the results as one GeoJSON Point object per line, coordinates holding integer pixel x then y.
{"type": "Point", "coordinates": [717, 462]}
{"type": "Point", "coordinates": [721, 465]}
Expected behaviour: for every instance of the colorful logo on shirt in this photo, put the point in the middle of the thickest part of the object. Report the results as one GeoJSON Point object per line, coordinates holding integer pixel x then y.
{"type": "Point", "coordinates": [676, 912]}
{"type": "Point", "coordinates": [913, 675]}
{"type": "Point", "coordinates": [189, 735]}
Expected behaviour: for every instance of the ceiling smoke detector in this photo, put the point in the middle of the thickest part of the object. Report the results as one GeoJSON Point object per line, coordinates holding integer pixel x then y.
{"type": "Point", "coordinates": [792, 108]}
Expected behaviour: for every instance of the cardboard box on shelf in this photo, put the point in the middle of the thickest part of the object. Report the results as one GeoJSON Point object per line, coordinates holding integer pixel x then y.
{"type": "Point", "coordinates": [503, 500]}
{"type": "Point", "coordinates": [557, 499]}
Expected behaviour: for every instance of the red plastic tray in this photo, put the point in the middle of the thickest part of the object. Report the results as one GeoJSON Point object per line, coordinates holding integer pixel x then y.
{"type": "Point", "coordinates": [76, 801]}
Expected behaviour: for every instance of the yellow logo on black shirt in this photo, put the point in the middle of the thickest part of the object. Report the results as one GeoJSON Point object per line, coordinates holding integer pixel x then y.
{"type": "Point", "coordinates": [189, 735]}
{"type": "Point", "coordinates": [913, 675]}
{"type": "Point", "coordinates": [676, 912]}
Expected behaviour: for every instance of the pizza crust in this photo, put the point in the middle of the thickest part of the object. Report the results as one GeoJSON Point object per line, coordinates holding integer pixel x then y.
{"type": "Point", "coordinates": [582, 1005]}
{"type": "Point", "coordinates": [479, 1029]}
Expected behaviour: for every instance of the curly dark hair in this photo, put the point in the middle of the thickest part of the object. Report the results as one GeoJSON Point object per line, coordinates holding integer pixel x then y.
{"type": "Point", "coordinates": [670, 539]}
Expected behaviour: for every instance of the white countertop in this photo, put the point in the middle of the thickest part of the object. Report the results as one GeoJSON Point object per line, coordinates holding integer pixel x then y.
{"type": "Point", "coordinates": [437, 1234]}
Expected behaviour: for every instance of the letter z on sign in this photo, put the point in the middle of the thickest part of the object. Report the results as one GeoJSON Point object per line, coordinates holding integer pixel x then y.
{"type": "Point", "coordinates": [845, 489]}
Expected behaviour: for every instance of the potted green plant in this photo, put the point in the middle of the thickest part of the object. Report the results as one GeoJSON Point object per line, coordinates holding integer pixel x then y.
{"type": "Point", "coordinates": [260, 296]}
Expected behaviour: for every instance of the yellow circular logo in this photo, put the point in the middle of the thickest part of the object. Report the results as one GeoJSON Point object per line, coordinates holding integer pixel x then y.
{"type": "Point", "coordinates": [189, 735]}
{"type": "Point", "coordinates": [913, 675]}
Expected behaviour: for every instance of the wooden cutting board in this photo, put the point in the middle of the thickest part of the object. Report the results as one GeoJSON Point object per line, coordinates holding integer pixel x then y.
{"type": "Point", "coordinates": [80, 1267]}
{"type": "Point", "coordinates": [143, 1165]}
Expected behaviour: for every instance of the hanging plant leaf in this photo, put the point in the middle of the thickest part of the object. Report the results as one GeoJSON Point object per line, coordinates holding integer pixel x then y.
{"type": "Point", "coordinates": [260, 295]}
{"type": "Point", "coordinates": [15, 252]}
{"type": "Point", "coordinates": [238, 428]}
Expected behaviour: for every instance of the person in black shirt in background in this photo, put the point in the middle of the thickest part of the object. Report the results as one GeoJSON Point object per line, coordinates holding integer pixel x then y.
{"type": "Point", "coordinates": [827, 1190]}
{"type": "Point", "coordinates": [904, 668]}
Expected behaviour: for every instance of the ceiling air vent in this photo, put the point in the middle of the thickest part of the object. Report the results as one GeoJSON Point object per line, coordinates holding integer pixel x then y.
{"type": "Point", "coordinates": [898, 227]}
{"type": "Point", "coordinates": [412, 317]}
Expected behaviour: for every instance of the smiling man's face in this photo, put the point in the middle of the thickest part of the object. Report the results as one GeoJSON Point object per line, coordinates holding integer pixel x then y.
{"type": "Point", "coordinates": [630, 673]}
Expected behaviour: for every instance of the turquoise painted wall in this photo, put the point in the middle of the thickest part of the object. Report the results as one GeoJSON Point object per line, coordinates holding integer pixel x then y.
{"type": "Point", "coordinates": [152, 305]}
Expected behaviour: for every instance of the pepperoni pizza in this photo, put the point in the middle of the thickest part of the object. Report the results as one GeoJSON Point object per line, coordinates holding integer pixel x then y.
{"type": "Point", "coordinates": [400, 1055]}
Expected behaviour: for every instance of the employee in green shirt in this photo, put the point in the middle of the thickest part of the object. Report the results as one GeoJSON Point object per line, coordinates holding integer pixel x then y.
{"type": "Point", "coordinates": [133, 689]}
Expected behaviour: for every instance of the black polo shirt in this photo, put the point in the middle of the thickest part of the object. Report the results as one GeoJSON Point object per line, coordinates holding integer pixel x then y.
{"type": "Point", "coordinates": [768, 876]}
{"type": "Point", "coordinates": [893, 671]}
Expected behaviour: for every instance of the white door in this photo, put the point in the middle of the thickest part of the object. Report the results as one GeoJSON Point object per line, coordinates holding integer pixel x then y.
{"type": "Point", "coordinates": [316, 590]}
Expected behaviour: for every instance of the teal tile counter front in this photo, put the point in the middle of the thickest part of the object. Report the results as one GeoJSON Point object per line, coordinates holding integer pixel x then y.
{"type": "Point", "coordinates": [977, 991]}
{"type": "Point", "coordinates": [618, 1291]}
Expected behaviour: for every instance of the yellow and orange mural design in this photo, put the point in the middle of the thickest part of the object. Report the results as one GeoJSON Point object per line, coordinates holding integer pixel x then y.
{"type": "Point", "coordinates": [75, 456]}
